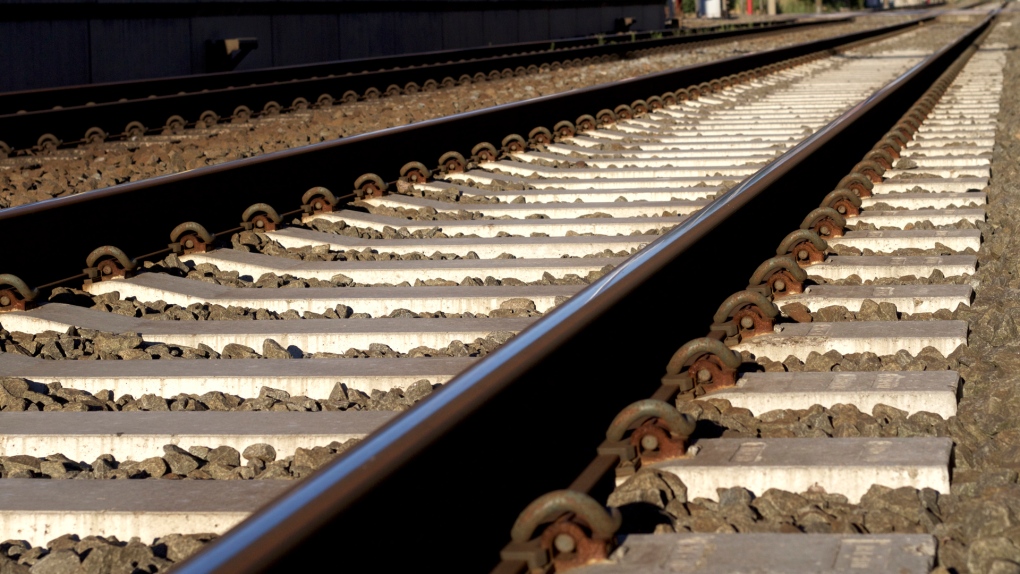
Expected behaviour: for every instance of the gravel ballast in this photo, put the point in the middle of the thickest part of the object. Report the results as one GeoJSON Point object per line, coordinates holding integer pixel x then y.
{"type": "Point", "coordinates": [99, 554]}
{"type": "Point", "coordinates": [256, 462]}
{"type": "Point", "coordinates": [22, 395]}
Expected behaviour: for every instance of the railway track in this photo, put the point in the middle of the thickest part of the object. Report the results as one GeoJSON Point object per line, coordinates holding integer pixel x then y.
{"type": "Point", "coordinates": [41, 121]}
{"type": "Point", "coordinates": [28, 178]}
{"type": "Point", "coordinates": [33, 100]}
{"type": "Point", "coordinates": [383, 296]}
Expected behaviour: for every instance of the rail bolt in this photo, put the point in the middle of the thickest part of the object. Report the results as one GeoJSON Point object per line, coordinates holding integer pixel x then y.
{"type": "Point", "coordinates": [514, 143]}
{"type": "Point", "coordinates": [654, 429]}
{"type": "Point", "coordinates": [564, 129]}
{"type": "Point", "coordinates": [174, 123]}
{"type": "Point", "coordinates": [208, 118]}
{"type": "Point", "coordinates": [845, 202]}
{"type": "Point", "coordinates": [870, 169]}
{"type": "Point", "coordinates": [654, 103]}
{"type": "Point", "coordinates": [778, 277]}
{"type": "Point", "coordinates": [745, 314]}
{"type": "Point", "coordinates": [484, 152]}
{"type": "Point", "coordinates": [271, 108]}
{"type": "Point", "coordinates": [882, 157]}
{"type": "Point", "coordinates": [540, 136]}
{"type": "Point", "coordinates": [318, 200]}
{"type": "Point", "coordinates": [452, 162]}
{"type": "Point", "coordinates": [15, 294]}
{"type": "Point", "coordinates": [134, 130]}
{"type": "Point", "coordinates": [370, 185]}
{"type": "Point", "coordinates": [703, 365]}
{"type": "Point", "coordinates": [577, 530]}
{"type": "Point", "coordinates": [804, 246]}
{"type": "Point", "coordinates": [857, 183]}
{"type": "Point", "coordinates": [889, 147]}
{"type": "Point", "coordinates": [241, 114]}
{"type": "Point", "coordinates": [47, 143]}
{"type": "Point", "coordinates": [901, 134]}
{"type": "Point", "coordinates": [605, 117]}
{"type": "Point", "coordinates": [826, 222]}
{"type": "Point", "coordinates": [95, 135]}
{"type": "Point", "coordinates": [190, 237]}
{"type": "Point", "coordinates": [108, 262]}
{"type": "Point", "coordinates": [415, 172]}
{"type": "Point", "coordinates": [260, 217]}
{"type": "Point", "coordinates": [585, 123]}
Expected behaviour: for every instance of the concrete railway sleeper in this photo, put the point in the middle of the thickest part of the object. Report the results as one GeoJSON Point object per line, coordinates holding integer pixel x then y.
{"type": "Point", "coordinates": [398, 292]}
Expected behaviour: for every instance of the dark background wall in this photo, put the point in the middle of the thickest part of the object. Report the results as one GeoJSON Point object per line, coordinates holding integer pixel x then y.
{"type": "Point", "coordinates": [66, 42]}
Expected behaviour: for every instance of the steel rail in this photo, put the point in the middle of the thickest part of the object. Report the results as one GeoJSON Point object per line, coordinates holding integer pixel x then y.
{"type": "Point", "coordinates": [67, 96]}
{"type": "Point", "coordinates": [138, 216]}
{"type": "Point", "coordinates": [23, 130]}
{"type": "Point", "coordinates": [444, 481]}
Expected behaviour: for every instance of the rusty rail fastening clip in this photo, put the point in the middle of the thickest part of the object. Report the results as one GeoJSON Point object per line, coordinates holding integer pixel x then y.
{"type": "Point", "coordinates": [190, 237]}
{"type": "Point", "coordinates": [844, 201]}
{"type": "Point", "coordinates": [804, 246]}
{"type": "Point", "coordinates": [260, 217]}
{"type": "Point", "coordinates": [415, 172]}
{"type": "Point", "coordinates": [857, 183]}
{"type": "Point", "coordinates": [778, 277]}
{"type": "Point", "coordinates": [370, 185]}
{"type": "Point", "coordinates": [644, 432]}
{"type": "Point", "coordinates": [108, 262]}
{"type": "Point", "coordinates": [826, 222]}
{"type": "Point", "coordinates": [318, 200]}
{"type": "Point", "coordinates": [577, 530]}
{"type": "Point", "coordinates": [703, 365]}
{"type": "Point", "coordinates": [15, 294]}
{"type": "Point", "coordinates": [745, 314]}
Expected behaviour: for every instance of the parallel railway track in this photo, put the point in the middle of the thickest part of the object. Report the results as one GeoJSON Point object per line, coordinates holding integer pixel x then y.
{"type": "Point", "coordinates": [43, 120]}
{"type": "Point", "coordinates": [573, 237]}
